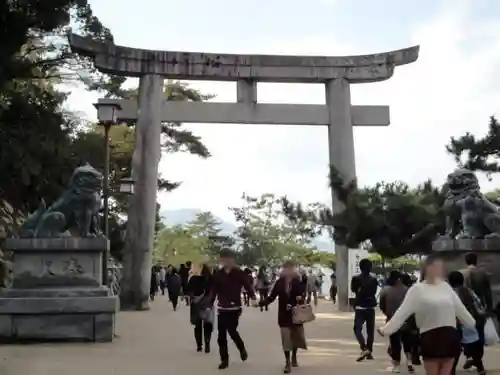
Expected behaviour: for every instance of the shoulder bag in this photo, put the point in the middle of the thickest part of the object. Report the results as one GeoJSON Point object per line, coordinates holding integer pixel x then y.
{"type": "Point", "coordinates": [302, 314]}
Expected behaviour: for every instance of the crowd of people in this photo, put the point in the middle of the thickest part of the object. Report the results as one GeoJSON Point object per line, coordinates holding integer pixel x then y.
{"type": "Point", "coordinates": [437, 319]}
{"type": "Point", "coordinates": [199, 287]}
{"type": "Point", "coordinates": [433, 321]}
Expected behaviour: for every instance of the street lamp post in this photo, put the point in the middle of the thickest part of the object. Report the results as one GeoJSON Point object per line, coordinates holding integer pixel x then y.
{"type": "Point", "coordinates": [107, 114]}
{"type": "Point", "coordinates": [126, 187]}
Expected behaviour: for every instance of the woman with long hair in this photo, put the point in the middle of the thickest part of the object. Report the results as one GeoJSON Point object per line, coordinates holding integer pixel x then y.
{"type": "Point", "coordinates": [262, 285]}
{"type": "Point", "coordinates": [436, 307]}
{"type": "Point", "coordinates": [201, 309]}
{"type": "Point", "coordinates": [290, 292]}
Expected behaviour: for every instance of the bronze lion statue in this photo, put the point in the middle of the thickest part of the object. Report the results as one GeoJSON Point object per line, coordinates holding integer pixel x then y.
{"type": "Point", "coordinates": [469, 214]}
{"type": "Point", "coordinates": [75, 213]}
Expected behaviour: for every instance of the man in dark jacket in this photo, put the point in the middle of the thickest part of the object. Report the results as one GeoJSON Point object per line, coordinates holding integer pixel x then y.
{"type": "Point", "coordinates": [364, 286]}
{"type": "Point", "coordinates": [226, 287]}
{"type": "Point", "coordinates": [478, 280]}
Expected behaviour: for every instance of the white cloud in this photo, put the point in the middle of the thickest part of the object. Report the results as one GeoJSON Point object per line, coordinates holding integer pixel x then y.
{"type": "Point", "coordinates": [451, 89]}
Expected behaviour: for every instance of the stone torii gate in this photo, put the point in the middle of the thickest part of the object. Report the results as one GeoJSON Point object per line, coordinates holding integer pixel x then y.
{"type": "Point", "coordinates": [152, 67]}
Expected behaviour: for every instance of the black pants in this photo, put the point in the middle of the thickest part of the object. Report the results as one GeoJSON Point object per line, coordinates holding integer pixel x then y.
{"type": "Point", "coordinates": [162, 287]}
{"type": "Point", "coordinates": [333, 293]}
{"type": "Point", "coordinates": [362, 317]}
{"type": "Point", "coordinates": [400, 340]}
{"type": "Point", "coordinates": [174, 298]}
{"type": "Point", "coordinates": [246, 299]}
{"type": "Point", "coordinates": [480, 323]}
{"type": "Point", "coordinates": [227, 324]}
{"type": "Point", "coordinates": [415, 348]}
{"type": "Point", "coordinates": [203, 333]}
{"type": "Point", "coordinates": [152, 292]}
{"type": "Point", "coordinates": [263, 293]}
{"type": "Point", "coordinates": [475, 351]}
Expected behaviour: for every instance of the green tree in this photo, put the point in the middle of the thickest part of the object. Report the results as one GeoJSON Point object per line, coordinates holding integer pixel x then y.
{"type": "Point", "coordinates": [34, 127]}
{"type": "Point", "coordinates": [33, 36]}
{"type": "Point", "coordinates": [391, 218]}
{"type": "Point", "coordinates": [256, 230]}
{"type": "Point", "coordinates": [176, 245]}
{"type": "Point", "coordinates": [266, 235]}
{"type": "Point", "coordinates": [493, 196]}
{"type": "Point", "coordinates": [206, 231]}
{"type": "Point", "coordinates": [478, 154]}
{"type": "Point", "coordinates": [35, 130]}
{"type": "Point", "coordinates": [159, 226]}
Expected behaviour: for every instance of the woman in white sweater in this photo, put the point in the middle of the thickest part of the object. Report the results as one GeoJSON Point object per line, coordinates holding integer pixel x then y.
{"type": "Point", "coordinates": [437, 308]}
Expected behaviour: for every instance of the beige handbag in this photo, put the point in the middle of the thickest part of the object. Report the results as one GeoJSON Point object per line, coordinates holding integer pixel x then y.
{"type": "Point", "coordinates": [302, 314]}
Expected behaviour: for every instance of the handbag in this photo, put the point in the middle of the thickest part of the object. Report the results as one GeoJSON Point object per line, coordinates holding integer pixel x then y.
{"type": "Point", "coordinates": [490, 333]}
{"type": "Point", "coordinates": [207, 315]}
{"type": "Point", "coordinates": [302, 314]}
{"type": "Point", "coordinates": [200, 309]}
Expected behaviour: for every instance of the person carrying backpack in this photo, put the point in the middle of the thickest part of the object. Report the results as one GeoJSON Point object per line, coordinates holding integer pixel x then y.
{"type": "Point", "coordinates": [472, 343]}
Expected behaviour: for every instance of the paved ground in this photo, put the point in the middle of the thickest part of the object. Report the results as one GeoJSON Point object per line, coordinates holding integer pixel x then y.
{"type": "Point", "coordinates": [160, 342]}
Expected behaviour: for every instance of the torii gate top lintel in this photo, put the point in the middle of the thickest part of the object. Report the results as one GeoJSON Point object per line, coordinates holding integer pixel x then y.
{"type": "Point", "coordinates": [134, 62]}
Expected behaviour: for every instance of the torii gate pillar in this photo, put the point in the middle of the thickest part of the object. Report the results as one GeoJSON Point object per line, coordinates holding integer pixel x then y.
{"type": "Point", "coordinates": [337, 73]}
{"type": "Point", "coordinates": [341, 155]}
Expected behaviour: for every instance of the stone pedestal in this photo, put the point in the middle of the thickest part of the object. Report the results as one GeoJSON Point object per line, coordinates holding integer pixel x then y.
{"type": "Point", "coordinates": [488, 252]}
{"type": "Point", "coordinates": [57, 292]}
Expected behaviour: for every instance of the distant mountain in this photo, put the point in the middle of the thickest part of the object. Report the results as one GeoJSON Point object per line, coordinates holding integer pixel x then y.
{"type": "Point", "coordinates": [185, 215]}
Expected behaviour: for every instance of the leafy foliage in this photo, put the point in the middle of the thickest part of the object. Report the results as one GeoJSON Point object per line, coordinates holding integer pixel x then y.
{"type": "Point", "coordinates": [266, 235]}
{"type": "Point", "coordinates": [34, 45]}
{"type": "Point", "coordinates": [35, 134]}
{"type": "Point", "coordinates": [266, 239]}
{"type": "Point", "coordinates": [478, 154]}
{"type": "Point", "coordinates": [386, 217]}
{"type": "Point", "coordinates": [176, 245]}
{"type": "Point", "coordinates": [198, 240]}
{"type": "Point", "coordinates": [35, 130]}
{"type": "Point", "coordinates": [10, 220]}
{"type": "Point", "coordinates": [406, 263]}
{"type": "Point", "coordinates": [42, 142]}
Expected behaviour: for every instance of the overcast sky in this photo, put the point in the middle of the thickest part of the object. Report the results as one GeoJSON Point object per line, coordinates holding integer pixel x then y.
{"type": "Point", "coordinates": [453, 87]}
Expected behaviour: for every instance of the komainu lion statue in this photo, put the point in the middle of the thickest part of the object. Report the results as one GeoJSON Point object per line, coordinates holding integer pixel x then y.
{"type": "Point", "coordinates": [469, 214]}
{"type": "Point", "coordinates": [75, 213]}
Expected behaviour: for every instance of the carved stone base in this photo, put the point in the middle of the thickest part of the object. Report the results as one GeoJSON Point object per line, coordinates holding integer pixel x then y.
{"type": "Point", "coordinates": [488, 253]}
{"type": "Point", "coordinates": [65, 319]}
{"type": "Point", "coordinates": [57, 292]}
{"type": "Point", "coordinates": [57, 262]}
